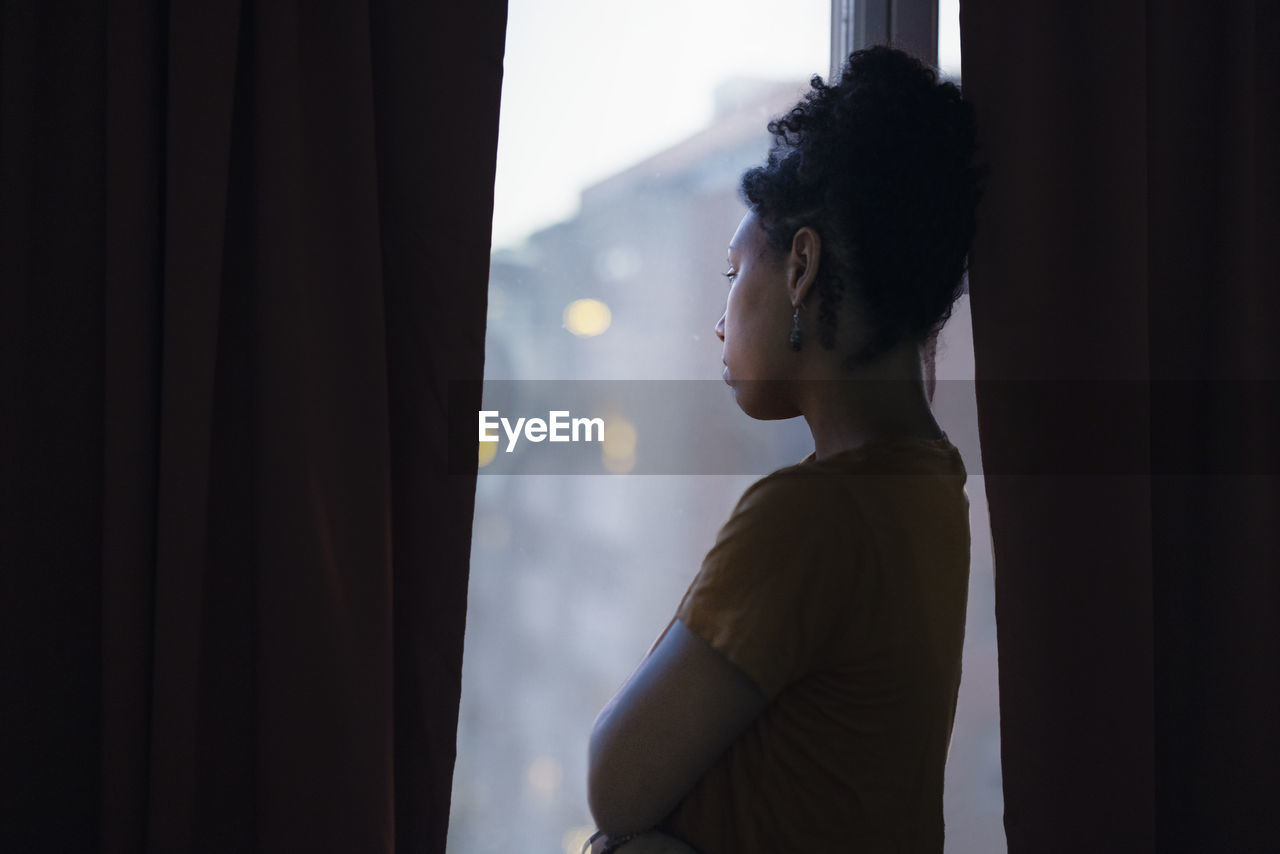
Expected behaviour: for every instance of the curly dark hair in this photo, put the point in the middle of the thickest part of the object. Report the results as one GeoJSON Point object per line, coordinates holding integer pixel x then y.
{"type": "Point", "coordinates": [881, 166]}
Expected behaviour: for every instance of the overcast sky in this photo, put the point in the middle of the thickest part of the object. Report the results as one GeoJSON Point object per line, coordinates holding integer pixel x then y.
{"type": "Point", "coordinates": [591, 86]}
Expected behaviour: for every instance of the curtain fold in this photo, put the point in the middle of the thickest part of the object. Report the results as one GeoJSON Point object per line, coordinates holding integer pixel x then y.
{"type": "Point", "coordinates": [1123, 289]}
{"type": "Point", "coordinates": [245, 251]}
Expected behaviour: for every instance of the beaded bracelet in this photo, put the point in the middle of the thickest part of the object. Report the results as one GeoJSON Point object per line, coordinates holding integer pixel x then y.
{"type": "Point", "coordinates": [612, 843]}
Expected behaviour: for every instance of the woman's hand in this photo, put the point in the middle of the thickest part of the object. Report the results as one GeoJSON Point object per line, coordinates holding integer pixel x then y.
{"type": "Point", "coordinates": [649, 842]}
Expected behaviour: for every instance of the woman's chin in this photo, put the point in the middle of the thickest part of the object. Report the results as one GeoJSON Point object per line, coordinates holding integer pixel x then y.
{"type": "Point", "coordinates": [758, 405]}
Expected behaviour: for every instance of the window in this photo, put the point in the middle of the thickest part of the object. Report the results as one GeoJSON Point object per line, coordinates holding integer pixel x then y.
{"type": "Point", "coordinates": [624, 130]}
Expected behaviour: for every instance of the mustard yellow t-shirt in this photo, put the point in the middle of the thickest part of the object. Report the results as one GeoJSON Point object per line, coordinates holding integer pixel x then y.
{"type": "Point", "coordinates": [839, 587]}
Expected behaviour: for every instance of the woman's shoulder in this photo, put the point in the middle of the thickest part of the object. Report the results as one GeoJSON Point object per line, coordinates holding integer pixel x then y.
{"type": "Point", "coordinates": [835, 487]}
{"type": "Point", "coordinates": [885, 455]}
{"type": "Point", "coordinates": [791, 496]}
{"type": "Point", "coordinates": [796, 483]}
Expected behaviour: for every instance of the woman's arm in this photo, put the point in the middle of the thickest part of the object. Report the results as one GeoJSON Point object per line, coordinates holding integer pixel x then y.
{"type": "Point", "coordinates": [679, 711]}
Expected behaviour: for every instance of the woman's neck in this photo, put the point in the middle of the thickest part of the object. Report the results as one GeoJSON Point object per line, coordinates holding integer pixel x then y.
{"type": "Point", "coordinates": [846, 410]}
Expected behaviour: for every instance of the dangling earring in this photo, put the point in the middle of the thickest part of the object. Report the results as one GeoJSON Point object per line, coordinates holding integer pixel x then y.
{"type": "Point", "coordinates": [795, 330]}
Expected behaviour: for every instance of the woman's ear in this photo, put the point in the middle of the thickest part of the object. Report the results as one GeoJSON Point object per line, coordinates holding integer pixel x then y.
{"type": "Point", "coordinates": [802, 264]}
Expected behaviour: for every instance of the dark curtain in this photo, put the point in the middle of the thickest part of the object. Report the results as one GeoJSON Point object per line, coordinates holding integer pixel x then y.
{"type": "Point", "coordinates": [243, 250]}
{"type": "Point", "coordinates": [1125, 294]}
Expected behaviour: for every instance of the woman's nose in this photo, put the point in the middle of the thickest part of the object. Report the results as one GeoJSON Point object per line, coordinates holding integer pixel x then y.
{"type": "Point", "coordinates": [720, 328]}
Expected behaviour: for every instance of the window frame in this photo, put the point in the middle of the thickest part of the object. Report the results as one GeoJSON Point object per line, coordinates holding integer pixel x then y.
{"type": "Point", "coordinates": [911, 25]}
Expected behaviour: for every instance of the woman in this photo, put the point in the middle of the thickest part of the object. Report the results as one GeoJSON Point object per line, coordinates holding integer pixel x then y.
{"type": "Point", "coordinates": [802, 697]}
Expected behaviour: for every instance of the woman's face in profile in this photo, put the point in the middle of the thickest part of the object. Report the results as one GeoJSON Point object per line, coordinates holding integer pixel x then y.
{"type": "Point", "coordinates": [756, 324]}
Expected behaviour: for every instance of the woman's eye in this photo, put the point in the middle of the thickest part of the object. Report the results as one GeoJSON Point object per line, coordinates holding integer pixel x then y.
{"type": "Point", "coordinates": [730, 275]}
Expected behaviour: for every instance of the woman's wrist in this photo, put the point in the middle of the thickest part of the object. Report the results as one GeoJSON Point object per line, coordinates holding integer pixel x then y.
{"type": "Point", "coordinates": [650, 841]}
{"type": "Point", "coordinates": [617, 840]}
{"type": "Point", "coordinates": [603, 843]}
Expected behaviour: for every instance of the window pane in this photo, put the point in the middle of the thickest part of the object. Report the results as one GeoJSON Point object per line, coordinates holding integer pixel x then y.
{"type": "Point", "coordinates": [949, 38]}
{"type": "Point", "coordinates": [624, 130]}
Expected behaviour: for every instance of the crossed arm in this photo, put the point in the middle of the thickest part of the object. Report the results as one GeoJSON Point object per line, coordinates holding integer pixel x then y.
{"type": "Point", "coordinates": [679, 711]}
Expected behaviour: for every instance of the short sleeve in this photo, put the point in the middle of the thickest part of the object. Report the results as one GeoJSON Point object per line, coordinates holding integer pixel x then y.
{"type": "Point", "coordinates": [777, 584]}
